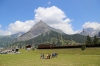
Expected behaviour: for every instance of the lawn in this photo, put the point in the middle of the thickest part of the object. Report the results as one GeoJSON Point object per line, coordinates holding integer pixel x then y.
{"type": "Point", "coordinates": [66, 57]}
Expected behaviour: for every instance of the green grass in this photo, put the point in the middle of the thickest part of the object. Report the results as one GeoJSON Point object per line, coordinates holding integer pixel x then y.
{"type": "Point", "coordinates": [66, 57]}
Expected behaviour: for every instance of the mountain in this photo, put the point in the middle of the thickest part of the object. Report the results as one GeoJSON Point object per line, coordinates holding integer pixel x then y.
{"type": "Point", "coordinates": [5, 40]}
{"type": "Point", "coordinates": [53, 37]}
{"type": "Point", "coordinates": [98, 34]}
{"type": "Point", "coordinates": [41, 33]}
{"type": "Point", "coordinates": [38, 29]}
{"type": "Point", "coordinates": [16, 35]}
{"type": "Point", "coordinates": [9, 39]}
{"type": "Point", "coordinates": [56, 38]}
{"type": "Point", "coordinates": [90, 31]}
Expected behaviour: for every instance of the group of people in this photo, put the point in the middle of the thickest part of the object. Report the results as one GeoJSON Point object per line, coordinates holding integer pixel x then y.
{"type": "Point", "coordinates": [48, 56]}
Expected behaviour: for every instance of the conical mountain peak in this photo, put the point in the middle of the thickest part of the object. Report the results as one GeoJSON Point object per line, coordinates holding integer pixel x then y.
{"type": "Point", "coordinates": [40, 21]}
{"type": "Point", "coordinates": [38, 29]}
{"type": "Point", "coordinates": [40, 24]}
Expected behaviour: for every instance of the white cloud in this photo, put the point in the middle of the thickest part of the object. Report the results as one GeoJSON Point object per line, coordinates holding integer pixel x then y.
{"type": "Point", "coordinates": [4, 32]}
{"type": "Point", "coordinates": [93, 25]}
{"type": "Point", "coordinates": [55, 17]}
{"type": "Point", "coordinates": [49, 3]}
{"type": "Point", "coordinates": [19, 26]}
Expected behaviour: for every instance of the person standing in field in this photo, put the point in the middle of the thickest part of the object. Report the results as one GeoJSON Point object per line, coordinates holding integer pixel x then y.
{"type": "Point", "coordinates": [41, 56]}
{"type": "Point", "coordinates": [48, 56]}
{"type": "Point", "coordinates": [52, 55]}
{"type": "Point", "coordinates": [55, 54]}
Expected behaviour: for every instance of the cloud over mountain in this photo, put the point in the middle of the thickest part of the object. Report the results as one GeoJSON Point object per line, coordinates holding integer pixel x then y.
{"type": "Point", "coordinates": [20, 26]}
{"type": "Point", "coordinates": [93, 25]}
{"type": "Point", "coordinates": [54, 17]}
{"type": "Point", "coordinates": [5, 32]}
{"type": "Point", "coordinates": [91, 28]}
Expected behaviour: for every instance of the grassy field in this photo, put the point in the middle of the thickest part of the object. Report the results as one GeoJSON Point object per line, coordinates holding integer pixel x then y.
{"type": "Point", "coordinates": [66, 57]}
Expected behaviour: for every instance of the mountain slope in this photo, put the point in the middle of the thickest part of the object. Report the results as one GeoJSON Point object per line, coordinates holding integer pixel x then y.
{"type": "Point", "coordinates": [38, 29]}
{"type": "Point", "coordinates": [57, 38]}
{"type": "Point", "coordinates": [5, 40]}
{"type": "Point", "coordinates": [53, 37]}
{"type": "Point", "coordinates": [98, 34]}
{"type": "Point", "coordinates": [9, 39]}
{"type": "Point", "coordinates": [90, 31]}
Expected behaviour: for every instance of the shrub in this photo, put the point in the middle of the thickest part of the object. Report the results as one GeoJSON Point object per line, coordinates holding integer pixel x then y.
{"type": "Point", "coordinates": [83, 47]}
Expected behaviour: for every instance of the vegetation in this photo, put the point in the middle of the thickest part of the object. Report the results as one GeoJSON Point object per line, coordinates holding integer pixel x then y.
{"type": "Point", "coordinates": [66, 57]}
{"type": "Point", "coordinates": [92, 41]}
{"type": "Point", "coordinates": [83, 47]}
{"type": "Point", "coordinates": [51, 37]}
{"type": "Point", "coordinates": [95, 40]}
{"type": "Point", "coordinates": [89, 40]}
{"type": "Point", "coordinates": [6, 40]}
{"type": "Point", "coordinates": [54, 38]}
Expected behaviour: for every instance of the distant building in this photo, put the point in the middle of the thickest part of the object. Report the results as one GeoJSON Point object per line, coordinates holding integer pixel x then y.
{"type": "Point", "coordinates": [28, 47]}
{"type": "Point", "coordinates": [45, 46]}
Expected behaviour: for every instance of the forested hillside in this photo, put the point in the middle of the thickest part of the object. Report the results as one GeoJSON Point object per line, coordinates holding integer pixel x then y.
{"type": "Point", "coordinates": [6, 40]}
{"type": "Point", "coordinates": [53, 37]}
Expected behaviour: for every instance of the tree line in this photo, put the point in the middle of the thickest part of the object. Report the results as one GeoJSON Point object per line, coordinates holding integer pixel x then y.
{"type": "Point", "coordinates": [92, 41]}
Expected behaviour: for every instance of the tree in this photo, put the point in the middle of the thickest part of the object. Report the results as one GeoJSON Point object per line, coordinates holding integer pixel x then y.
{"type": "Point", "coordinates": [99, 42]}
{"type": "Point", "coordinates": [95, 40]}
{"type": "Point", "coordinates": [88, 40]}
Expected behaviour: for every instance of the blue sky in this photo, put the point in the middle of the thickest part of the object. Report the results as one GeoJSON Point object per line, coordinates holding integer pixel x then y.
{"type": "Point", "coordinates": [79, 14]}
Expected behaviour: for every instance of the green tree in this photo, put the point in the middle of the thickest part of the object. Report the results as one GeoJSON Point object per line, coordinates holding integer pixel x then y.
{"type": "Point", "coordinates": [95, 40]}
{"type": "Point", "coordinates": [88, 40]}
{"type": "Point", "coordinates": [98, 41]}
